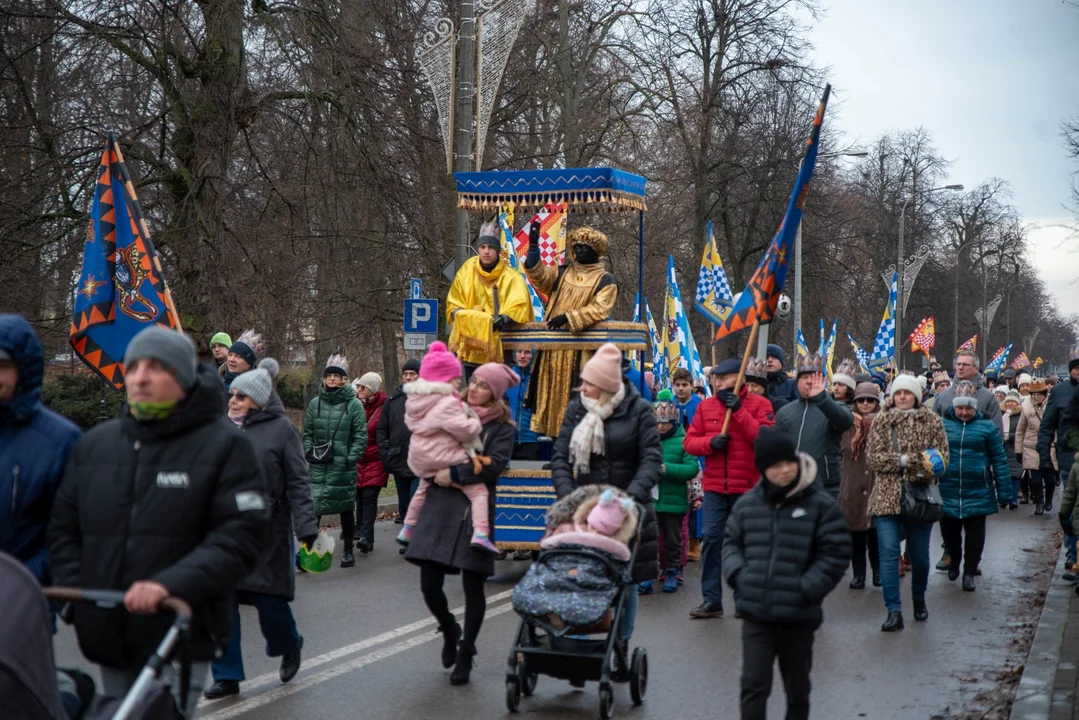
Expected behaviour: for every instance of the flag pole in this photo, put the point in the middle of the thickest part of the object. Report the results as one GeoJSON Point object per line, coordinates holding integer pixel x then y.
{"type": "Point", "coordinates": [715, 329]}
{"type": "Point", "coordinates": [742, 371]}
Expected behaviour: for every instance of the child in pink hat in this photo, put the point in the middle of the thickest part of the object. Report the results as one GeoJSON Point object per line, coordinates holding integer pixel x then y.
{"type": "Point", "coordinates": [445, 433]}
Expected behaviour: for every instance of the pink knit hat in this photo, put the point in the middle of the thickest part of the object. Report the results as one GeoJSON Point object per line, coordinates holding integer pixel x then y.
{"type": "Point", "coordinates": [609, 513]}
{"type": "Point", "coordinates": [439, 364]}
{"type": "Point", "coordinates": [498, 377]}
{"type": "Point", "coordinates": [604, 369]}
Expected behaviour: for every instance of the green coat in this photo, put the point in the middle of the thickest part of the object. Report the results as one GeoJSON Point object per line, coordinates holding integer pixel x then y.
{"type": "Point", "coordinates": [681, 468]}
{"type": "Point", "coordinates": [333, 486]}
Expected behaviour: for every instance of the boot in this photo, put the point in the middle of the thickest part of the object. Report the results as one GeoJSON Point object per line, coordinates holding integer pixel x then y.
{"type": "Point", "coordinates": [670, 581]}
{"type": "Point", "coordinates": [290, 664]}
{"type": "Point", "coordinates": [876, 577]}
{"type": "Point", "coordinates": [893, 623]}
{"type": "Point", "coordinates": [222, 688]}
{"type": "Point", "coordinates": [945, 561]}
{"type": "Point", "coordinates": [1039, 509]}
{"type": "Point", "coordinates": [858, 583]}
{"type": "Point", "coordinates": [693, 552]}
{"type": "Point", "coordinates": [463, 668]}
{"type": "Point", "coordinates": [921, 613]}
{"type": "Point", "coordinates": [953, 572]}
{"type": "Point", "coordinates": [347, 558]}
{"type": "Point", "coordinates": [645, 588]}
{"type": "Point", "coordinates": [968, 583]}
{"type": "Point", "coordinates": [450, 636]}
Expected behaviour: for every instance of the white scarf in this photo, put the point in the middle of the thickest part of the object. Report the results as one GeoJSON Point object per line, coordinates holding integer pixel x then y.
{"type": "Point", "coordinates": [588, 436]}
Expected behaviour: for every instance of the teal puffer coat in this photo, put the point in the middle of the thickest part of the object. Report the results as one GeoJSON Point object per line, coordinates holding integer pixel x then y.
{"type": "Point", "coordinates": [978, 475]}
{"type": "Point", "coordinates": [681, 468]}
{"type": "Point", "coordinates": [335, 411]}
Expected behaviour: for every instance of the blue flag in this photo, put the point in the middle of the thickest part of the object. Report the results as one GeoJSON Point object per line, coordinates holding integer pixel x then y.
{"type": "Point", "coordinates": [884, 345]}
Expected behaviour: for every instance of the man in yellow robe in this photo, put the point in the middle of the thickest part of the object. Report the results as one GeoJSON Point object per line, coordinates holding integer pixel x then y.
{"type": "Point", "coordinates": [486, 296]}
{"type": "Point", "coordinates": [581, 294]}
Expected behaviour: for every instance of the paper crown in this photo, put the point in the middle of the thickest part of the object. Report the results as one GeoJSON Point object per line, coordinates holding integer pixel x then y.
{"type": "Point", "coordinates": [811, 363]}
{"type": "Point", "coordinates": [941, 376]}
{"type": "Point", "coordinates": [666, 410]}
{"type": "Point", "coordinates": [965, 388]}
{"type": "Point", "coordinates": [489, 230]}
{"type": "Point", "coordinates": [253, 340]}
{"type": "Point", "coordinates": [757, 369]}
{"type": "Point", "coordinates": [339, 362]}
{"type": "Point", "coordinates": [1037, 385]}
{"type": "Point", "coordinates": [847, 367]}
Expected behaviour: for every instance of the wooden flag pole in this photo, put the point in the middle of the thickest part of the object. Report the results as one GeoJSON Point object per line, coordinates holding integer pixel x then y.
{"type": "Point", "coordinates": [715, 328]}
{"type": "Point", "coordinates": [742, 371]}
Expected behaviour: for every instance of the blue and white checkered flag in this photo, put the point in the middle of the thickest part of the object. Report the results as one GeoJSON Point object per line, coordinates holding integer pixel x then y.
{"type": "Point", "coordinates": [884, 345]}
{"type": "Point", "coordinates": [511, 258]}
{"type": "Point", "coordinates": [860, 353]}
{"type": "Point", "coordinates": [714, 297]}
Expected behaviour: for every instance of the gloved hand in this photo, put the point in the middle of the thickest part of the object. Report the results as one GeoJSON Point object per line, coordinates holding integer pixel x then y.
{"type": "Point", "coordinates": [534, 233]}
{"type": "Point", "coordinates": [501, 322]}
{"type": "Point", "coordinates": [557, 321]}
{"type": "Point", "coordinates": [730, 399]}
{"type": "Point", "coordinates": [309, 540]}
{"type": "Point", "coordinates": [1066, 524]}
{"type": "Point", "coordinates": [719, 443]}
{"type": "Point", "coordinates": [66, 613]}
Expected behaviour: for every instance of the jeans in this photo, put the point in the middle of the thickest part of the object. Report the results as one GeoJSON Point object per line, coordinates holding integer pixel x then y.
{"type": "Point", "coordinates": [861, 542]}
{"type": "Point", "coordinates": [717, 508]}
{"type": "Point", "coordinates": [762, 643]}
{"type": "Point", "coordinates": [889, 528]}
{"type": "Point", "coordinates": [278, 629]}
{"type": "Point", "coordinates": [952, 529]}
{"type": "Point", "coordinates": [629, 613]}
{"type": "Point", "coordinates": [1016, 481]}
{"type": "Point", "coordinates": [1070, 549]}
{"type": "Point", "coordinates": [115, 683]}
{"type": "Point", "coordinates": [366, 511]}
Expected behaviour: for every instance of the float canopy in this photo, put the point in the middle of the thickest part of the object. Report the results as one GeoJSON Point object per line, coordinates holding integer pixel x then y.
{"type": "Point", "coordinates": [582, 189]}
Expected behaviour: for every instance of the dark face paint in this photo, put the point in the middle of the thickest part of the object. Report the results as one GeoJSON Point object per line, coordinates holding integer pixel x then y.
{"type": "Point", "coordinates": [585, 254]}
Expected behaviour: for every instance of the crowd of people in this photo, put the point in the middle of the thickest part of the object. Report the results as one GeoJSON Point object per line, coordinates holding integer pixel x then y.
{"type": "Point", "coordinates": [203, 488]}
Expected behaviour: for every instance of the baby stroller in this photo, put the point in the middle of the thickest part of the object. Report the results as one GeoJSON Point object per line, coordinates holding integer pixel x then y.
{"type": "Point", "coordinates": [571, 603]}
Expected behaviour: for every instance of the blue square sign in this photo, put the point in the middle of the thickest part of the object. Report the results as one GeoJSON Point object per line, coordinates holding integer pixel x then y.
{"type": "Point", "coordinates": [421, 316]}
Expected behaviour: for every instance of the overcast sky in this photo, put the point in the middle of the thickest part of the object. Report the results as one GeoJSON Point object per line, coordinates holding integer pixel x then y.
{"type": "Point", "coordinates": [989, 79]}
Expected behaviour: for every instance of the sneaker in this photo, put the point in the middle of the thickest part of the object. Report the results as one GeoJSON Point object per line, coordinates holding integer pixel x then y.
{"type": "Point", "coordinates": [707, 610]}
{"type": "Point", "coordinates": [645, 588]}
{"type": "Point", "coordinates": [945, 561]}
{"type": "Point", "coordinates": [480, 541]}
{"type": "Point", "coordinates": [405, 536]}
{"type": "Point", "coordinates": [670, 581]}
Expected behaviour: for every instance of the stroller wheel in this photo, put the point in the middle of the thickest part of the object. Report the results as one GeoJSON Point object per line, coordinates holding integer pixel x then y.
{"type": "Point", "coordinates": [527, 680]}
{"type": "Point", "coordinates": [638, 676]}
{"type": "Point", "coordinates": [606, 701]}
{"type": "Point", "coordinates": [513, 693]}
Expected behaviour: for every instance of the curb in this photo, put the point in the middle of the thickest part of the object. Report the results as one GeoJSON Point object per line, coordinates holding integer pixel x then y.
{"type": "Point", "coordinates": [1034, 696]}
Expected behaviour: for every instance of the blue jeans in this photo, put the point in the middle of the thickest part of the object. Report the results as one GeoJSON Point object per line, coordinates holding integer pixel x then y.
{"type": "Point", "coordinates": [889, 528]}
{"type": "Point", "coordinates": [1070, 549]}
{"type": "Point", "coordinates": [717, 508]}
{"type": "Point", "coordinates": [629, 613]}
{"type": "Point", "coordinates": [278, 628]}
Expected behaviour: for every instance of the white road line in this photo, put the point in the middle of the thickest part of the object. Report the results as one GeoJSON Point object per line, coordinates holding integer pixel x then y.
{"type": "Point", "coordinates": [329, 673]}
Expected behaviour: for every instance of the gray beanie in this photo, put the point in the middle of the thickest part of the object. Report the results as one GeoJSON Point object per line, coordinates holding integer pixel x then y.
{"type": "Point", "coordinates": [255, 384]}
{"type": "Point", "coordinates": [173, 350]}
{"type": "Point", "coordinates": [271, 366]}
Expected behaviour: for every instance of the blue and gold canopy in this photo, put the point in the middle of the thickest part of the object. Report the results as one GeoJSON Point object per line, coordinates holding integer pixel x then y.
{"type": "Point", "coordinates": [582, 189]}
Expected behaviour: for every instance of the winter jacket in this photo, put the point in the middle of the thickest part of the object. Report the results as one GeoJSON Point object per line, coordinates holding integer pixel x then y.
{"type": "Point", "coordinates": [442, 427]}
{"type": "Point", "coordinates": [521, 415]}
{"type": "Point", "coordinates": [630, 462]}
{"type": "Point", "coordinates": [782, 387]}
{"type": "Point", "coordinates": [35, 444]}
{"type": "Point", "coordinates": [857, 483]}
{"type": "Point", "coordinates": [279, 450]}
{"type": "Point", "coordinates": [1070, 492]}
{"type": "Point", "coordinates": [1010, 427]}
{"type": "Point", "coordinates": [895, 433]}
{"type": "Point", "coordinates": [443, 534]}
{"type": "Point", "coordinates": [987, 402]}
{"type": "Point", "coordinates": [180, 501]}
{"type": "Point", "coordinates": [680, 468]}
{"type": "Point", "coordinates": [783, 558]}
{"type": "Point", "coordinates": [394, 437]}
{"type": "Point", "coordinates": [339, 413]}
{"type": "Point", "coordinates": [1052, 428]}
{"type": "Point", "coordinates": [732, 471]}
{"type": "Point", "coordinates": [978, 475]}
{"type": "Point", "coordinates": [817, 425]}
{"type": "Point", "coordinates": [688, 409]}
{"type": "Point", "coordinates": [370, 472]}
{"type": "Point", "coordinates": [1026, 433]}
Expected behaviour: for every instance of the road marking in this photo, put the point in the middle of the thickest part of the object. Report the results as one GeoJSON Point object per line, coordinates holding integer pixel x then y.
{"type": "Point", "coordinates": [284, 691]}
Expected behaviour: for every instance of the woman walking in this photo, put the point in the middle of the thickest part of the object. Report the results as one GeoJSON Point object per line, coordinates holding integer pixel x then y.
{"type": "Point", "coordinates": [334, 440]}
{"type": "Point", "coordinates": [978, 464]}
{"type": "Point", "coordinates": [899, 440]}
{"type": "Point", "coordinates": [258, 411]}
{"type": "Point", "coordinates": [609, 436]}
{"type": "Point", "coordinates": [371, 475]}
{"type": "Point", "coordinates": [1010, 416]}
{"type": "Point", "coordinates": [440, 542]}
{"type": "Point", "coordinates": [857, 485]}
{"type": "Point", "coordinates": [1026, 444]}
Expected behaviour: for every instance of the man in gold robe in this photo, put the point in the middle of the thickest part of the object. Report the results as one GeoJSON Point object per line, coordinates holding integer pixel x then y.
{"type": "Point", "coordinates": [581, 294]}
{"type": "Point", "coordinates": [486, 296]}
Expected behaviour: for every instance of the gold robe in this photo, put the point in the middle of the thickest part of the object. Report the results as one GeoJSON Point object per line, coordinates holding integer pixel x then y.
{"type": "Point", "coordinates": [585, 294]}
{"type": "Point", "coordinates": [470, 309]}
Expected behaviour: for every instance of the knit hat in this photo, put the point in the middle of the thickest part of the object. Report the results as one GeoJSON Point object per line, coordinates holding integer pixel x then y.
{"type": "Point", "coordinates": [1014, 396]}
{"type": "Point", "coordinates": [371, 381]}
{"type": "Point", "coordinates": [221, 338]}
{"type": "Point", "coordinates": [173, 350]}
{"type": "Point", "coordinates": [757, 372]}
{"type": "Point", "coordinates": [844, 375]}
{"type": "Point", "coordinates": [730, 366]}
{"type": "Point", "coordinates": [271, 366]}
{"type": "Point", "coordinates": [439, 364]}
{"type": "Point", "coordinates": [336, 365]}
{"type": "Point", "coordinates": [867, 390]}
{"type": "Point", "coordinates": [489, 235]}
{"type": "Point", "coordinates": [923, 382]}
{"type": "Point", "coordinates": [1001, 391]}
{"type": "Point", "coordinates": [808, 364]}
{"type": "Point", "coordinates": [412, 364]}
{"type": "Point", "coordinates": [965, 394]}
{"type": "Point", "coordinates": [773, 446]}
{"type": "Point", "coordinates": [249, 347]}
{"type": "Point", "coordinates": [498, 377]}
{"type": "Point", "coordinates": [910, 383]}
{"type": "Point", "coordinates": [776, 352]}
{"type": "Point", "coordinates": [1024, 379]}
{"type": "Point", "coordinates": [255, 384]}
{"type": "Point", "coordinates": [666, 410]}
{"type": "Point", "coordinates": [1038, 385]}
{"type": "Point", "coordinates": [879, 379]}
{"type": "Point", "coordinates": [604, 369]}
{"type": "Point", "coordinates": [1009, 374]}
{"type": "Point", "coordinates": [609, 513]}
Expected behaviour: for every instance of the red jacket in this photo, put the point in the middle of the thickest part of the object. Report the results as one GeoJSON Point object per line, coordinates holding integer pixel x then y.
{"type": "Point", "coordinates": [731, 472]}
{"type": "Point", "coordinates": [369, 470]}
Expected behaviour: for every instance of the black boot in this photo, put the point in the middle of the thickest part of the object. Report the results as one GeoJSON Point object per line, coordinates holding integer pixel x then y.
{"type": "Point", "coordinates": [450, 636]}
{"type": "Point", "coordinates": [463, 668]}
{"type": "Point", "coordinates": [347, 558]}
{"type": "Point", "coordinates": [222, 688]}
{"type": "Point", "coordinates": [290, 664]}
{"type": "Point", "coordinates": [921, 612]}
{"type": "Point", "coordinates": [858, 583]}
{"type": "Point", "coordinates": [968, 583]}
{"type": "Point", "coordinates": [876, 577]}
{"type": "Point", "coordinates": [893, 623]}
{"type": "Point", "coordinates": [1038, 509]}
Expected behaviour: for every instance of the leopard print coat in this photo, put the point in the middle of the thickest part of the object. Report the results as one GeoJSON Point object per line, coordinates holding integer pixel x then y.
{"type": "Point", "coordinates": [916, 432]}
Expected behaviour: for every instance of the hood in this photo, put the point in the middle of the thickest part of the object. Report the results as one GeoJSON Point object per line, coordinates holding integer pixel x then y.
{"type": "Point", "coordinates": [274, 409]}
{"type": "Point", "coordinates": [806, 477]}
{"type": "Point", "coordinates": [205, 403]}
{"type": "Point", "coordinates": [19, 340]}
{"type": "Point", "coordinates": [336, 396]}
{"type": "Point", "coordinates": [423, 397]}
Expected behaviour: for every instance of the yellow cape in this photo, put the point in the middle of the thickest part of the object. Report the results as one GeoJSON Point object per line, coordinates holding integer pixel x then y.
{"type": "Point", "coordinates": [470, 309]}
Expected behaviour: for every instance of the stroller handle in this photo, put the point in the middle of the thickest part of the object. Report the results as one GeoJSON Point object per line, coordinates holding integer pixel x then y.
{"type": "Point", "coordinates": [113, 598]}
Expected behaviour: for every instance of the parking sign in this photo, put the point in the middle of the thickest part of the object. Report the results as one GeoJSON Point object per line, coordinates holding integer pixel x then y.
{"type": "Point", "coordinates": [421, 316]}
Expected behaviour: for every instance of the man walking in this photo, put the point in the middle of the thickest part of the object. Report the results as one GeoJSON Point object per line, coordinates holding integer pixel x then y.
{"type": "Point", "coordinates": [966, 368]}
{"type": "Point", "coordinates": [393, 438]}
{"type": "Point", "coordinates": [167, 499]}
{"type": "Point", "coordinates": [780, 385]}
{"type": "Point", "coordinates": [1054, 429]}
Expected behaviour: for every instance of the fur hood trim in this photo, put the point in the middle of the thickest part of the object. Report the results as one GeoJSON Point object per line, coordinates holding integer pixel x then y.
{"type": "Point", "coordinates": [574, 508]}
{"type": "Point", "coordinates": [426, 387]}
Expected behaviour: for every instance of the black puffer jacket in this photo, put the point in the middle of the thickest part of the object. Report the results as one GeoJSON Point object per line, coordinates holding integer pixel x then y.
{"type": "Point", "coordinates": [393, 437]}
{"type": "Point", "coordinates": [181, 502]}
{"type": "Point", "coordinates": [783, 559]}
{"type": "Point", "coordinates": [631, 462]}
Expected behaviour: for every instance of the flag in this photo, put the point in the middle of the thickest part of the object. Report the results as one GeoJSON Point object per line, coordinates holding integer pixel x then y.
{"type": "Point", "coordinates": [509, 253]}
{"type": "Point", "coordinates": [970, 345]}
{"type": "Point", "coordinates": [121, 289]}
{"type": "Point", "coordinates": [924, 336]}
{"type": "Point", "coordinates": [1000, 359]}
{"type": "Point", "coordinates": [678, 346]}
{"type": "Point", "coordinates": [660, 367]}
{"type": "Point", "coordinates": [757, 303]}
{"type": "Point", "coordinates": [1021, 361]}
{"type": "Point", "coordinates": [552, 240]}
{"type": "Point", "coordinates": [884, 345]}
{"type": "Point", "coordinates": [829, 349]}
{"type": "Point", "coordinates": [1038, 361]}
{"type": "Point", "coordinates": [714, 298]}
{"type": "Point", "coordinates": [823, 346]}
{"type": "Point", "coordinates": [862, 355]}
{"type": "Point", "coordinates": [802, 350]}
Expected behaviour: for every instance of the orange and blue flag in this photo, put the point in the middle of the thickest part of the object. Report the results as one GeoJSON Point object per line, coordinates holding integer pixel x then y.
{"type": "Point", "coordinates": [757, 303]}
{"type": "Point", "coordinates": [121, 289]}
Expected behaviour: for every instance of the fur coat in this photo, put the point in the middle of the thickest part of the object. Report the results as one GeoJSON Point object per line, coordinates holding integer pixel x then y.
{"type": "Point", "coordinates": [915, 431]}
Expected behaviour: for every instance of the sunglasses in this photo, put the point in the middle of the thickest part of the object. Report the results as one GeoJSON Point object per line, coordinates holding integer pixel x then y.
{"type": "Point", "coordinates": [867, 400]}
{"type": "Point", "coordinates": [238, 395]}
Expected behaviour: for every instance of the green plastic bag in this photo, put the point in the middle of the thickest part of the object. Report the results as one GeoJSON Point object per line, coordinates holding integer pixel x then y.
{"type": "Point", "coordinates": [319, 558]}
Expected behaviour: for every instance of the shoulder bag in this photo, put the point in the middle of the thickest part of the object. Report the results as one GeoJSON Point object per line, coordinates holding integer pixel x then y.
{"type": "Point", "coordinates": [919, 502]}
{"type": "Point", "coordinates": [322, 454]}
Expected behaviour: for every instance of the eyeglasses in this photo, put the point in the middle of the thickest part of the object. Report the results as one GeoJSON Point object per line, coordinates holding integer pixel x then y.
{"type": "Point", "coordinates": [867, 400]}
{"type": "Point", "coordinates": [1040, 393]}
{"type": "Point", "coordinates": [238, 396]}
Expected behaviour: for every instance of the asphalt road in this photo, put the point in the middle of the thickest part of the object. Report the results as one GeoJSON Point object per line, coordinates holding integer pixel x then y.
{"type": "Point", "coordinates": [371, 650]}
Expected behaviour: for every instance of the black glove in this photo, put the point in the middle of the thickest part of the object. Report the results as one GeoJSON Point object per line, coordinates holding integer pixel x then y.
{"type": "Point", "coordinates": [501, 322]}
{"type": "Point", "coordinates": [730, 399]}
{"type": "Point", "coordinates": [1066, 524]}
{"type": "Point", "coordinates": [309, 541]}
{"type": "Point", "coordinates": [719, 443]}
{"type": "Point", "coordinates": [66, 613]}
{"type": "Point", "coordinates": [557, 321]}
{"type": "Point", "coordinates": [534, 233]}
{"type": "Point", "coordinates": [1019, 457]}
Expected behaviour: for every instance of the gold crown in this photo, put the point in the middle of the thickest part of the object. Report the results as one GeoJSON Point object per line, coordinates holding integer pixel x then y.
{"type": "Point", "coordinates": [965, 388]}
{"type": "Point", "coordinates": [848, 368]}
{"type": "Point", "coordinates": [587, 235]}
{"type": "Point", "coordinates": [811, 363]}
{"type": "Point", "coordinates": [757, 368]}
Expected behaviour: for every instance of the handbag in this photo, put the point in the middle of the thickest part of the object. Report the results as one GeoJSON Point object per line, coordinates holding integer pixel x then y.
{"type": "Point", "coordinates": [918, 502]}
{"type": "Point", "coordinates": [322, 454]}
